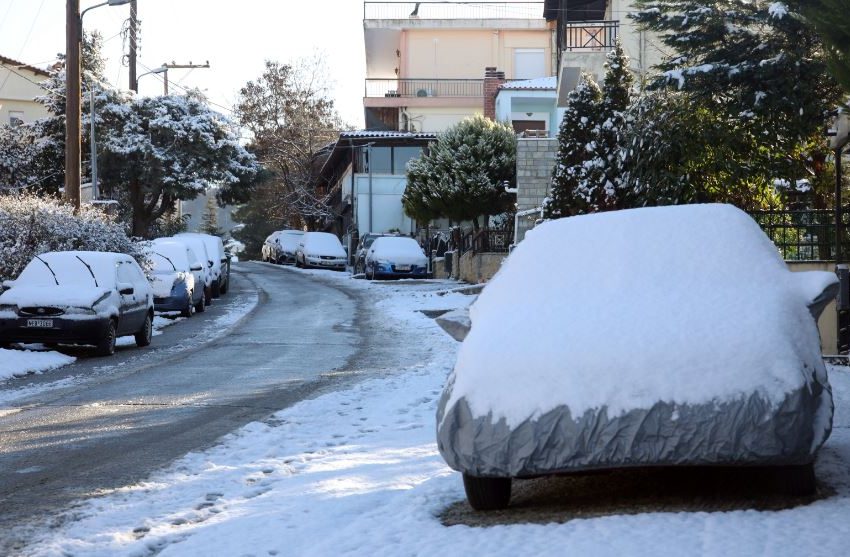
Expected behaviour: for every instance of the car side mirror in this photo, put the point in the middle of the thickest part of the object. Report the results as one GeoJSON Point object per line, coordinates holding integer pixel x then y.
{"type": "Point", "coordinates": [196, 268]}
{"type": "Point", "coordinates": [125, 289]}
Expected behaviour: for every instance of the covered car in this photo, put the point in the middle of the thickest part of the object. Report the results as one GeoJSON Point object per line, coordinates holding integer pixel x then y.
{"type": "Point", "coordinates": [671, 336]}
{"type": "Point", "coordinates": [78, 297]}
{"type": "Point", "coordinates": [322, 250]}
{"type": "Point", "coordinates": [177, 277]}
{"type": "Point", "coordinates": [396, 257]}
{"type": "Point", "coordinates": [287, 245]}
{"type": "Point", "coordinates": [199, 248]}
{"type": "Point", "coordinates": [363, 248]}
{"type": "Point", "coordinates": [218, 261]}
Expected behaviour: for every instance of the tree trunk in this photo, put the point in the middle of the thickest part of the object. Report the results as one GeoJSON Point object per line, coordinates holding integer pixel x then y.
{"type": "Point", "coordinates": [141, 219]}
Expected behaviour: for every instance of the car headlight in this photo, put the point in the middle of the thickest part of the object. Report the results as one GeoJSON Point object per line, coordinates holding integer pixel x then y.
{"type": "Point", "coordinates": [80, 311]}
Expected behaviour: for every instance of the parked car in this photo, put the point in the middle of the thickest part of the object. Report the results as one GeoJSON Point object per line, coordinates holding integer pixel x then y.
{"type": "Point", "coordinates": [395, 257]}
{"type": "Point", "coordinates": [665, 336]}
{"type": "Point", "coordinates": [78, 297]}
{"type": "Point", "coordinates": [322, 250]}
{"type": "Point", "coordinates": [362, 249]}
{"type": "Point", "coordinates": [219, 261]}
{"type": "Point", "coordinates": [199, 247]}
{"type": "Point", "coordinates": [280, 246]}
{"type": "Point", "coordinates": [177, 278]}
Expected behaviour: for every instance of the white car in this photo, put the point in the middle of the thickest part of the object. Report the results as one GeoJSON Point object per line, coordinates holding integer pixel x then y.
{"type": "Point", "coordinates": [178, 277]}
{"type": "Point", "coordinates": [396, 257]}
{"type": "Point", "coordinates": [218, 261]}
{"type": "Point", "coordinates": [321, 250]}
{"type": "Point", "coordinates": [199, 247]}
{"type": "Point", "coordinates": [78, 297]}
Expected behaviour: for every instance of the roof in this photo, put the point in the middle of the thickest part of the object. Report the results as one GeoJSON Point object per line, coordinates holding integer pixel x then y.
{"type": "Point", "coordinates": [368, 134]}
{"type": "Point", "coordinates": [541, 83]}
{"type": "Point", "coordinates": [20, 65]}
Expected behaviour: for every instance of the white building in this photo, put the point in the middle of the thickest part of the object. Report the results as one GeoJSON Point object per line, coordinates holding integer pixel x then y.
{"type": "Point", "coordinates": [19, 86]}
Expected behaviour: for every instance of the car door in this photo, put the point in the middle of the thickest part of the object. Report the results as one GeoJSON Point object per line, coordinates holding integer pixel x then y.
{"type": "Point", "coordinates": [133, 306]}
{"type": "Point", "coordinates": [198, 274]}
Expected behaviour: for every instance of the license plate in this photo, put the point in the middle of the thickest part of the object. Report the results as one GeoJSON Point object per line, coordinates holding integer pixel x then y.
{"type": "Point", "coordinates": [402, 267]}
{"type": "Point", "coordinates": [40, 323]}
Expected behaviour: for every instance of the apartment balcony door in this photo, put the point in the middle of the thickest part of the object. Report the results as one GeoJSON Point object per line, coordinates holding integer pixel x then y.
{"type": "Point", "coordinates": [529, 63]}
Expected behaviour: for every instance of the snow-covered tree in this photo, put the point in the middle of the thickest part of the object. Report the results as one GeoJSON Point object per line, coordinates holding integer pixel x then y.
{"type": "Point", "coordinates": [31, 225]}
{"type": "Point", "coordinates": [209, 220]}
{"type": "Point", "coordinates": [830, 19]}
{"type": "Point", "coordinates": [758, 67]}
{"type": "Point", "coordinates": [576, 136]}
{"type": "Point", "coordinates": [162, 149]}
{"type": "Point", "coordinates": [463, 174]}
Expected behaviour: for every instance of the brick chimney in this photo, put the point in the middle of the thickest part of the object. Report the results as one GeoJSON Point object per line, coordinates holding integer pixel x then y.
{"type": "Point", "coordinates": [492, 80]}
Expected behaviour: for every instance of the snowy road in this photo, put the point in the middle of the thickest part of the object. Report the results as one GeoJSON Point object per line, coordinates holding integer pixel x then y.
{"type": "Point", "coordinates": [105, 423]}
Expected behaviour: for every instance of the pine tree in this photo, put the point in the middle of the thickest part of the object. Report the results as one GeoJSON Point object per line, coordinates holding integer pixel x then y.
{"type": "Point", "coordinates": [209, 221]}
{"type": "Point", "coordinates": [462, 176]}
{"type": "Point", "coordinates": [575, 142]}
{"type": "Point", "coordinates": [830, 19]}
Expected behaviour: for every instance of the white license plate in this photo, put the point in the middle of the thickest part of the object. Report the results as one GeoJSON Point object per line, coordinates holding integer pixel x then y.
{"type": "Point", "coordinates": [402, 267]}
{"type": "Point", "coordinates": [40, 323]}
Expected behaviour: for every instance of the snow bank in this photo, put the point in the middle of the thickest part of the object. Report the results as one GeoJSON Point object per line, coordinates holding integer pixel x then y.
{"type": "Point", "coordinates": [21, 362]}
{"type": "Point", "coordinates": [685, 305]}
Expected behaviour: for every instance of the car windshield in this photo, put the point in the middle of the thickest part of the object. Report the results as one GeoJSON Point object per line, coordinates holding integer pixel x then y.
{"type": "Point", "coordinates": [70, 269]}
{"type": "Point", "coordinates": [323, 243]}
{"type": "Point", "coordinates": [289, 240]}
{"type": "Point", "coordinates": [397, 247]}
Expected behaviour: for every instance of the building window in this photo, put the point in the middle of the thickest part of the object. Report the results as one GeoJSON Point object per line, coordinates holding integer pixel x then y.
{"type": "Point", "coordinates": [16, 117]}
{"type": "Point", "coordinates": [528, 125]}
{"type": "Point", "coordinates": [385, 160]}
{"type": "Point", "coordinates": [403, 155]}
{"type": "Point", "coordinates": [529, 63]}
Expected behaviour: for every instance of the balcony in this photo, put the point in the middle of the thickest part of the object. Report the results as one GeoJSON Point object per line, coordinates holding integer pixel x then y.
{"type": "Point", "coordinates": [425, 88]}
{"type": "Point", "coordinates": [587, 36]}
{"type": "Point", "coordinates": [452, 10]}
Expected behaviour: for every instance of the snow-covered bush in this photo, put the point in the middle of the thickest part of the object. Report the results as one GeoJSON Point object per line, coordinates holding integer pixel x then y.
{"type": "Point", "coordinates": [31, 225]}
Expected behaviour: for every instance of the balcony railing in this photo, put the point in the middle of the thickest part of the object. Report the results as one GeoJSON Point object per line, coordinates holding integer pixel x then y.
{"type": "Point", "coordinates": [408, 88]}
{"type": "Point", "coordinates": [453, 10]}
{"type": "Point", "coordinates": [587, 36]}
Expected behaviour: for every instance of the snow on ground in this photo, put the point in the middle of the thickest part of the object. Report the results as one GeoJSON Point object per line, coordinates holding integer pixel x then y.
{"type": "Point", "coordinates": [159, 323]}
{"type": "Point", "coordinates": [21, 362]}
{"type": "Point", "coordinates": [357, 473]}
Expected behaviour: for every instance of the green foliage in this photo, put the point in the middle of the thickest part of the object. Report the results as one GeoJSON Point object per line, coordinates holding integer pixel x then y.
{"type": "Point", "coordinates": [209, 221]}
{"type": "Point", "coordinates": [830, 19]}
{"type": "Point", "coordinates": [463, 174]}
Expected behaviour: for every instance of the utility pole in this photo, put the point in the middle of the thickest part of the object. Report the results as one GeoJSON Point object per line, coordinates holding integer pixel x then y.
{"type": "Point", "coordinates": [134, 25]}
{"type": "Point", "coordinates": [189, 66]}
{"type": "Point", "coordinates": [73, 116]}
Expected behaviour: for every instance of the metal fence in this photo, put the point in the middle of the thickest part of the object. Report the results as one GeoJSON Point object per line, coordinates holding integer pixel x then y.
{"type": "Point", "coordinates": [424, 88]}
{"type": "Point", "coordinates": [453, 10]}
{"type": "Point", "coordinates": [588, 36]}
{"type": "Point", "coordinates": [804, 235]}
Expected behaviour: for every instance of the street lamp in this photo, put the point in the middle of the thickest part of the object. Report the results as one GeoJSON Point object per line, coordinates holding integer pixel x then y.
{"type": "Point", "coordinates": [161, 69]}
{"type": "Point", "coordinates": [73, 94]}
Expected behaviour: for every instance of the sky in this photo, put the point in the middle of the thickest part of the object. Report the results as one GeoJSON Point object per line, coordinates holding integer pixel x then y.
{"type": "Point", "coordinates": [235, 37]}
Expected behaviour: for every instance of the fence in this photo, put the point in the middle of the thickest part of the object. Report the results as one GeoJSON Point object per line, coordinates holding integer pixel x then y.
{"type": "Point", "coordinates": [587, 36]}
{"type": "Point", "coordinates": [408, 87]}
{"type": "Point", "coordinates": [805, 235]}
{"type": "Point", "coordinates": [453, 10]}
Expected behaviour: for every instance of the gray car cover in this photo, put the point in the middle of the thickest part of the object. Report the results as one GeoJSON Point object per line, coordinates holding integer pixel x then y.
{"type": "Point", "coordinates": [747, 431]}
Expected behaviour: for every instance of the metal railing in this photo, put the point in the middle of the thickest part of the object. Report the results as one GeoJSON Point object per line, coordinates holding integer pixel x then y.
{"type": "Point", "coordinates": [453, 10]}
{"type": "Point", "coordinates": [408, 88]}
{"type": "Point", "coordinates": [804, 235]}
{"type": "Point", "coordinates": [587, 36]}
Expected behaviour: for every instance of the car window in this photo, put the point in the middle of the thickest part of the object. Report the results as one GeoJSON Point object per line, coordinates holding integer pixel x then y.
{"type": "Point", "coordinates": [125, 273]}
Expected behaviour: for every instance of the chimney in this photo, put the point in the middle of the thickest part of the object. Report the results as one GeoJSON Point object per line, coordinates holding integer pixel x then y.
{"type": "Point", "coordinates": [492, 80]}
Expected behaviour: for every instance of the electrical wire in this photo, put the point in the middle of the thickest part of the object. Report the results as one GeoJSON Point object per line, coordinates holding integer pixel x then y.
{"type": "Point", "coordinates": [6, 15]}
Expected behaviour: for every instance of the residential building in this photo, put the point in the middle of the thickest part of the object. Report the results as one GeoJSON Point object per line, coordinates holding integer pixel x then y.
{"type": "Point", "coordinates": [531, 106]}
{"type": "Point", "coordinates": [364, 176]}
{"type": "Point", "coordinates": [19, 86]}
{"type": "Point", "coordinates": [425, 60]}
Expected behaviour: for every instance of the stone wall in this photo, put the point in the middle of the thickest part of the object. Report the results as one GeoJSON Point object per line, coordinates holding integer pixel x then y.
{"type": "Point", "coordinates": [479, 267]}
{"type": "Point", "coordinates": [534, 163]}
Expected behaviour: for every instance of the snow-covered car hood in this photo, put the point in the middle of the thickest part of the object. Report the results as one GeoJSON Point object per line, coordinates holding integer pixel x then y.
{"type": "Point", "coordinates": [162, 283]}
{"type": "Point", "coordinates": [56, 296]}
{"type": "Point", "coordinates": [400, 259]}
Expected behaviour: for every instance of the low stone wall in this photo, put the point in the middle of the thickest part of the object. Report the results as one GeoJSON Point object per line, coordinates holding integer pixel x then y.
{"type": "Point", "coordinates": [479, 267]}
{"type": "Point", "coordinates": [438, 270]}
{"type": "Point", "coordinates": [828, 322]}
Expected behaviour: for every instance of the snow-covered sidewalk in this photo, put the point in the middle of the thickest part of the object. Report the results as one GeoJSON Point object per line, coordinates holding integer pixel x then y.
{"type": "Point", "coordinates": [357, 472]}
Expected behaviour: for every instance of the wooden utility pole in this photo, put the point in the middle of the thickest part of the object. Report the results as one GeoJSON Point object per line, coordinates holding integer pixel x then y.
{"type": "Point", "coordinates": [171, 66]}
{"type": "Point", "coordinates": [134, 25]}
{"type": "Point", "coordinates": [73, 117]}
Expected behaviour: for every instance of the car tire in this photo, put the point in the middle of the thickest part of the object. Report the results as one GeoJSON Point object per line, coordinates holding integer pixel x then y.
{"type": "Point", "coordinates": [106, 345]}
{"type": "Point", "coordinates": [216, 289]}
{"type": "Point", "coordinates": [208, 295]}
{"type": "Point", "coordinates": [201, 306]}
{"type": "Point", "coordinates": [487, 494]}
{"type": "Point", "coordinates": [796, 481]}
{"type": "Point", "coordinates": [145, 334]}
{"type": "Point", "coordinates": [189, 310]}
{"type": "Point", "coordinates": [225, 287]}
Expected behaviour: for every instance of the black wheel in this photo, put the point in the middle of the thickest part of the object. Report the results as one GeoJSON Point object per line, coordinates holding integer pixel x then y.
{"type": "Point", "coordinates": [216, 289]}
{"type": "Point", "coordinates": [189, 310]}
{"type": "Point", "coordinates": [143, 337]}
{"type": "Point", "coordinates": [208, 295]}
{"type": "Point", "coordinates": [796, 481]}
{"type": "Point", "coordinates": [201, 306]}
{"type": "Point", "coordinates": [226, 286]}
{"type": "Point", "coordinates": [487, 494]}
{"type": "Point", "coordinates": [106, 344]}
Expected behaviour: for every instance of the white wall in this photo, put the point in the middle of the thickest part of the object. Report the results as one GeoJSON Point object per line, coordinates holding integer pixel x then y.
{"type": "Point", "coordinates": [18, 94]}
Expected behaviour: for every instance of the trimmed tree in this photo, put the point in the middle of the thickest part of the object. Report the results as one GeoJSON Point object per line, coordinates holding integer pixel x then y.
{"type": "Point", "coordinates": [463, 174]}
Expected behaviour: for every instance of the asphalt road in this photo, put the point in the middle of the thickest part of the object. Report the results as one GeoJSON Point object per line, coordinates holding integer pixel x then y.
{"type": "Point", "coordinates": [103, 423]}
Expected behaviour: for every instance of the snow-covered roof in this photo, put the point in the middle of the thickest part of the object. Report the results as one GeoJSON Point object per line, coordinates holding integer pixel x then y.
{"type": "Point", "coordinates": [14, 64]}
{"type": "Point", "coordinates": [392, 134]}
{"type": "Point", "coordinates": [540, 83]}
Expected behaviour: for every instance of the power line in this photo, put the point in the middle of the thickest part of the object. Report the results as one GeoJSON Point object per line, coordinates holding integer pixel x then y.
{"type": "Point", "coordinates": [32, 26]}
{"type": "Point", "coordinates": [6, 15]}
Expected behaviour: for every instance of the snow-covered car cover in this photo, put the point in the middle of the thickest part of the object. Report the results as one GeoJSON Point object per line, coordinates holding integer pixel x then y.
{"type": "Point", "coordinates": [657, 336]}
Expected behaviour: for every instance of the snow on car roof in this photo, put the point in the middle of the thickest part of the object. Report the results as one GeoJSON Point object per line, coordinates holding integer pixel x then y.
{"type": "Point", "coordinates": [624, 309]}
{"type": "Point", "coordinates": [69, 268]}
{"type": "Point", "coordinates": [174, 251]}
{"type": "Point", "coordinates": [396, 245]}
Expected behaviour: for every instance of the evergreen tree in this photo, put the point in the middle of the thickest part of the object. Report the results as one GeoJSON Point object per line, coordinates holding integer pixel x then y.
{"type": "Point", "coordinates": [463, 174]}
{"type": "Point", "coordinates": [576, 138]}
{"type": "Point", "coordinates": [830, 19]}
{"type": "Point", "coordinates": [209, 221]}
